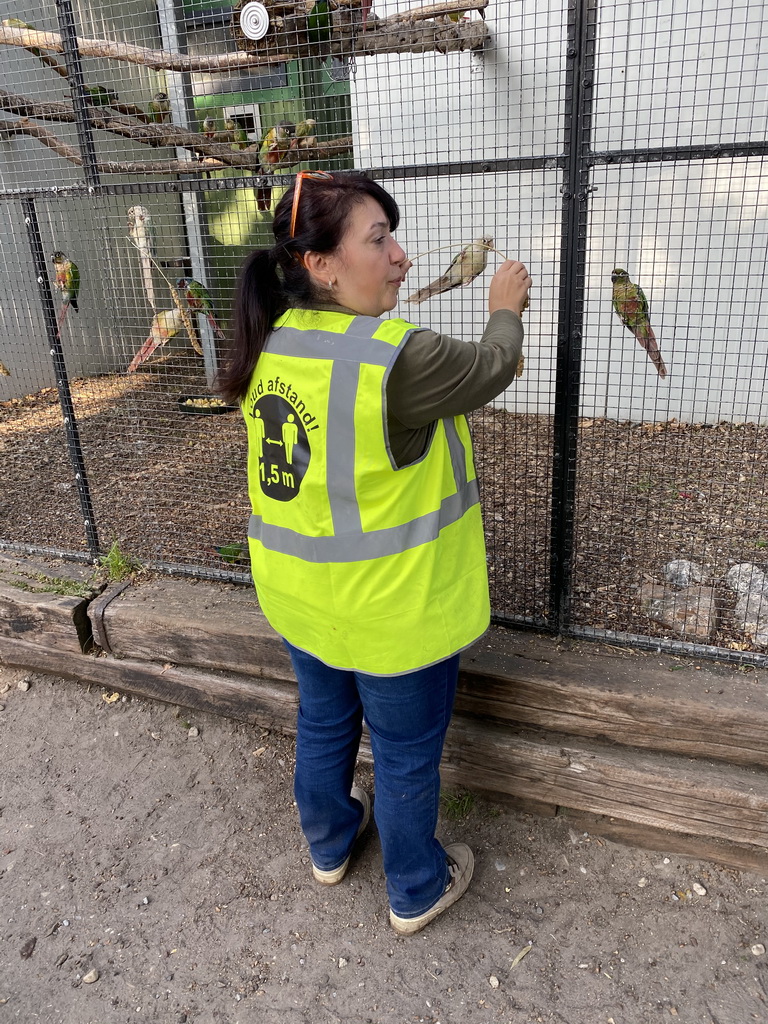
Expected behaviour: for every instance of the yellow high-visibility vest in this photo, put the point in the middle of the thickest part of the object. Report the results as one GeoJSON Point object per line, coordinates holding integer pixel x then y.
{"type": "Point", "coordinates": [365, 565]}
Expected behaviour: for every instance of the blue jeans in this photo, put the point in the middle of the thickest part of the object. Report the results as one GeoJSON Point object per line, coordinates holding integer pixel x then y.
{"type": "Point", "coordinates": [407, 717]}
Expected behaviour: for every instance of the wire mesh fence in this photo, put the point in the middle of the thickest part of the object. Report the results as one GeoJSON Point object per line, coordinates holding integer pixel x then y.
{"type": "Point", "coordinates": [617, 148]}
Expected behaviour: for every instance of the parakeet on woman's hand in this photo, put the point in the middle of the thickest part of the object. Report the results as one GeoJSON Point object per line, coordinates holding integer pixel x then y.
{"type": "Point", "coordinates": [199, 300]}
{"type": "Point", "coordinates": [466, 266]}
{"type": "Point", "coordinates": [159, 108]}
{"type": "Point", "coordinates": [67, 282]}
{"type": "Point", "coordinates": [630, 303]}
{"type": "Point", "coordinates": [140, 230]}
{"type": "Point", "coordinates": [164, 325]}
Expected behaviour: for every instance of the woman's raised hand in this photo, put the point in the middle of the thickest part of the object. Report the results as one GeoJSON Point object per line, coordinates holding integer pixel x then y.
{"type": "Point", "coordinates": [509, 287]}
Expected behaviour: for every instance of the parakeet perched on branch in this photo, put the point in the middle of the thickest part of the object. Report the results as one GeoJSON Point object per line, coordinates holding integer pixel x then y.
{"type": "Point", "coordinates": [67, 282]}
{"type": "Point", "coordinates": [304, 134]}
{"type": "Point", "coordinates": [466, 266]}
{"type": "Point", "coordinates": [159, 108]}
{"type": "Point", "coordinates": [274, 147]}
{"type": "Point", "coordinates": [17, 23]}
{"type": "Point", "coordinates": [164, 325]}
{"type": "Point", "coordinates": [99, 96]}
{"type": "Point", "coordinates": [199, 300]}
{"type": "Point", "coordinates": [209, 127]}
{"type": "Point", "coordinates": [140, 230]}
{"type": "Point", "coordinates": [630, 303]}
{"type": "Point", "coordinates": [238, 134]}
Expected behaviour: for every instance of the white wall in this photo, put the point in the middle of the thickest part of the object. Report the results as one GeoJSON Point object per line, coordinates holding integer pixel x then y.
{"type": "Point", "coordinates": [693, 234]}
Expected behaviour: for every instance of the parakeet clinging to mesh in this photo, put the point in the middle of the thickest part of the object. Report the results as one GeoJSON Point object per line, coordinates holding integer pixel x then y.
{"type": "Point", "coordinates": [164, 325]}
{"type": "Point", "coordinates": [142, 236]}
{"type": "Point", "coordinates": [199, 300]}
{"type": "Point", "coordinates": [67, 282]}
{"type": "Point", "coordinates": [466, 266]}
{"type": "Point", "coordinates": [630, 303]}
{"type": "Point", "coordinates": [159, 108]}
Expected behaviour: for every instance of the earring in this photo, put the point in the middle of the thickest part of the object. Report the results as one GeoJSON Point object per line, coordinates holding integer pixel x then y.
{"type": "Point", "coordinates": [330, 285]}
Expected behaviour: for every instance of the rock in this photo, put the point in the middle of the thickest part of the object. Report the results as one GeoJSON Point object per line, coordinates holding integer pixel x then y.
{"type": "Point", "coordinates": [746, 577]}
{"type": "Point", "coordinates": [682, 573]}
{"type": "Point", "coordinates": [194, 732]}
{"type": "Point", "coordinates": [493, 981]}
{"type": "Point", "coordinates": [23, 684]}
{"type": "Point", "coordinates": [758, 949]}
{"type": "Point", "coordinates": [699, 889]}
{"type": "Point", "coordinates": [90, 977]}
{"type": "Point", "coordinates": [751, 616]}
{"type": "Point", "coordinates": [690, 612]}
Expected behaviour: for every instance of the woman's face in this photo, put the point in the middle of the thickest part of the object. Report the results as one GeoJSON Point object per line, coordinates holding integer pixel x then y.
{"type": "Point", "coordinates": [369, 266]}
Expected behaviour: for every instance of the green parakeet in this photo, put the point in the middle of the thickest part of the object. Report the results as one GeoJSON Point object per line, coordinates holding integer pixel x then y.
{"type": "Point", "coordinates": [239, 136]}
{"type": "Point", "coordinates": [273, 150]}
{"type": "Point", "coordinates": [67, 282]}
{"type": "Point", "coordinates": [304, 134]}
{"type": "Point", "coordinates": [235, 554]}
{"type": "Point", "coordinates": [209, 127]}
{"type": "Point", "coordinates": [159, 108]}
{"type": "Point", "coordinates": [164, 325]}
{"type": "Point", "coordinates": [630, 303]}
{"type": "Point", "coordinates": [199, 300]}
{"type": "Point", "coordinates": [16, 23]}
{"type": "Point", "coordinates": [466, 266]}
{"type": "Point", "coordinates": [319, 23]}
{"type": "Point", "coordinates": [99, 96]}
{"type": "Point", "coordinates": [142, 236]}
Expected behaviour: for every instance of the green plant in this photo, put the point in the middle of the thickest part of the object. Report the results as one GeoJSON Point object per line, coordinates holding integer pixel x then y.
{"type": "Point", "coordinates": [51, 585]}
{"type": "Point", "coordinates": [118, 564]}
{"type": "Point", "coordinates": [457, 805]}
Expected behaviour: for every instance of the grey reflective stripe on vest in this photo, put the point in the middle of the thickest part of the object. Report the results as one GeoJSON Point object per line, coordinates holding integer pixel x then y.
{"type": "Point", "coordinates": [374, 544]}
{"type": "Point", "coordinates": [349, 542]}
{"type": "Point", "coordinates": [319, 344]}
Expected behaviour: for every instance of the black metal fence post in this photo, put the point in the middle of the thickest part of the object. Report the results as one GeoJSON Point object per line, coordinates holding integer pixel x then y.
{"type": "Point", "coordinates": [77, 86]}
{"type": "Point", "coordinates": [582, 20]}
{"type": "Point", "coordinates": [74, 448]}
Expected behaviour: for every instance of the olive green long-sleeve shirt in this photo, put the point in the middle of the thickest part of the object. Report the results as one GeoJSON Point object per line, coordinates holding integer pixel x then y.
{"type": "Point", "coordinates": [436, 375]}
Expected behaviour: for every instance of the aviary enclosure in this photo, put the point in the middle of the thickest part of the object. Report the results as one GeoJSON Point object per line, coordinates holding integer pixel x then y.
{"type": "Point", "coordinates": [618, 148]}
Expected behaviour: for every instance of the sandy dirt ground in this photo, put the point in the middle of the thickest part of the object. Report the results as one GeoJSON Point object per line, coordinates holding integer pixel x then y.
{"type": "Point", "coordinates": [148, 874]}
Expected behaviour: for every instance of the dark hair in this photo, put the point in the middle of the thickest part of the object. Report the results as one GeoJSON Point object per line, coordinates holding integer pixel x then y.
{"type": "Point", "coordinates": [273, 280]}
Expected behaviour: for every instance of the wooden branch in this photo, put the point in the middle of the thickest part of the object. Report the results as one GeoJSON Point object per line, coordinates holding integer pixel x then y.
{"type": "Point", "coordinates": [394, 37]}
{"type": "Point", "coordinates": [431, 11]}
{"type": "Point", "coordinates": [42, 135]}
{"type": "Point", "coordinates": [221, 156]}
{"type": "Point", "coordinates": [158, 60]}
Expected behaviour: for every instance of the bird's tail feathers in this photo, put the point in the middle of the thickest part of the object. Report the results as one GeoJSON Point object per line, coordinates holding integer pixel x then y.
{"type": "Point", "coordinates": [442, 284]}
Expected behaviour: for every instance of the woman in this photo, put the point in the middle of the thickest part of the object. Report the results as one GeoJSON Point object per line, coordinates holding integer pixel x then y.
{"type": "Point", "coordinates": [366, 539]}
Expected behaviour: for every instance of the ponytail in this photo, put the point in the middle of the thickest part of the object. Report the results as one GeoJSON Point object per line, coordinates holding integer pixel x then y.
{"type": "Point", "coordinates": [258, 302]}
{"type": "Point", "coordinates": [262, 294]}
